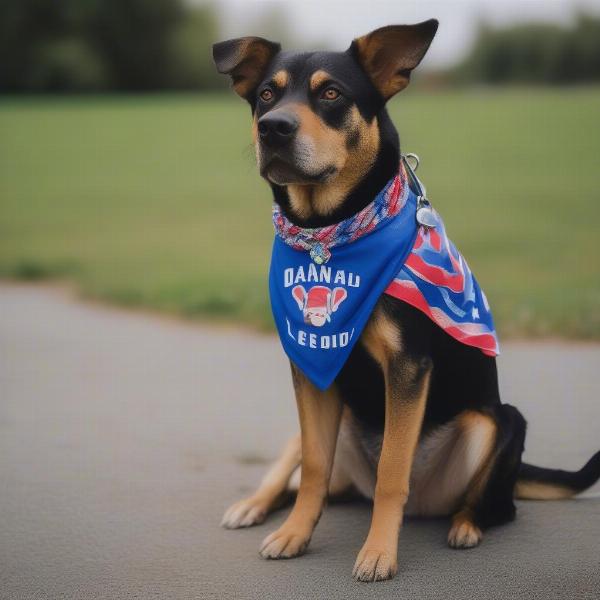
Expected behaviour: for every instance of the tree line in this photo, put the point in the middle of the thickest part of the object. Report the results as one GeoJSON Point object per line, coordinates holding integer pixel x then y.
{"type": "Point", "coordinates": [534, 53]}
{"type": "Point", "coordinates": [147, 45]}
{"type": "Point", "coordinates": [97, 45]}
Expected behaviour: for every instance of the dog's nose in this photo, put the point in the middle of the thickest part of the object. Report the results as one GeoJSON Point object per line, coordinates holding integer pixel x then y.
{"type": "Point", "coordinates": [277, 128]}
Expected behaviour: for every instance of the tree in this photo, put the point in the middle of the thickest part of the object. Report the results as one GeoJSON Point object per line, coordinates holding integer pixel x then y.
{"type": "Point", "coordinates": [126, 45]}
{"type": "Point", "coordinates": [535, 53]}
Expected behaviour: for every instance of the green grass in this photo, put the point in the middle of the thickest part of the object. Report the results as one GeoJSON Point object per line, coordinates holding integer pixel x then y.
{"type": "Point", "coordinates": [155, 201]}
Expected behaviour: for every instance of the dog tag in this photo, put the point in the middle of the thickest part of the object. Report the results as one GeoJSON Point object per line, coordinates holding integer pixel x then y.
{"type": "Point", "coordinates": [320, 254]}
{"type": "Point", "coordinates": [425, 214]}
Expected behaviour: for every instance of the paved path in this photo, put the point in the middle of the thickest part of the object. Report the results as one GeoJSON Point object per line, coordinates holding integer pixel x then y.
{"type": "Point", "coordinates": [124, 436]}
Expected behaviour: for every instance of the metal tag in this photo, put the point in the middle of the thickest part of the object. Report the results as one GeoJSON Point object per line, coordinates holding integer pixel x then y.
{"type": "Point", "coordinates": [425, 213]}
{"type": "Point", "coordinates": [320, 254]}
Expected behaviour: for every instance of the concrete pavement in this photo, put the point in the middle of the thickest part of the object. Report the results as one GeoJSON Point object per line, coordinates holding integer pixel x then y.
{"type": "Point", "coordinates": [124, 436]}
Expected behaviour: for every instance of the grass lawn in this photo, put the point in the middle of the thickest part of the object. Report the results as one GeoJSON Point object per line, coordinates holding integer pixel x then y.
{"type": "Point", "coordinates": [155, 201]}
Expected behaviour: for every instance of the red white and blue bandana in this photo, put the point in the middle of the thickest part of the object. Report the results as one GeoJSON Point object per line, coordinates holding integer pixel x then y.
{"type": "Point", "coordinates": [324, 282]}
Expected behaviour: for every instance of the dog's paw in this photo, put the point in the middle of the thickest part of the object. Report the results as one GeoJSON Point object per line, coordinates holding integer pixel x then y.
{"type": "Point", "coordinates": [464, 534]}
{"type": "Point", "coordinates": [375, 565]}
{"type": "Point", "coordinates": [284, 543]}
{"type": "Point", "coordinates": [245, 513]}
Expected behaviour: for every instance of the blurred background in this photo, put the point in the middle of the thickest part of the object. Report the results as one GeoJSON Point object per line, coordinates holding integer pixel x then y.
{"type": "Point", "coordinates": [126, 165]}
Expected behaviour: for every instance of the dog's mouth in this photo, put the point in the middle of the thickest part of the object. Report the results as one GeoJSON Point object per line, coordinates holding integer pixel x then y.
{"type": "Point", "coordinates": [280, 171]}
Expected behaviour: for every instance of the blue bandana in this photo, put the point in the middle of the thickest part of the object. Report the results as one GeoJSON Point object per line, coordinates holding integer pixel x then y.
{"type": "Point", "coordinates": [325, 282]}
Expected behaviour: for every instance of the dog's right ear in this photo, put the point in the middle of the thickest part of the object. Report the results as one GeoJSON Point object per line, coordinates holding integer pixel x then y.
{"type": "Point", "coordinates": [388, 55]}
{"type": "Point", "coordinates": [245, 60]}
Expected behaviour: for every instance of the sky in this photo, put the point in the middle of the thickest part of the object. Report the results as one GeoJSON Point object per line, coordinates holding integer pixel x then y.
{"type": "Point", "coordinates": [315, 23]}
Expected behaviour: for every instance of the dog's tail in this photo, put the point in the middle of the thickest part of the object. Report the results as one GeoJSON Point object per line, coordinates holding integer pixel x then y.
{"type": "Point", "coordinates": [537, 483]}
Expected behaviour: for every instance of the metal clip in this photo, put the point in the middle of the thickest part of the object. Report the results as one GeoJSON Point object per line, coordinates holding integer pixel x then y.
{"type": "Point", "coordinates": [425, 215]}
{"type": "Point", "coordinates": [413, 157]}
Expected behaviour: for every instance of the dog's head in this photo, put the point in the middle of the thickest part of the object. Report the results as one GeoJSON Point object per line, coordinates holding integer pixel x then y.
{"type": "Point", "coordinates": [315, 122]}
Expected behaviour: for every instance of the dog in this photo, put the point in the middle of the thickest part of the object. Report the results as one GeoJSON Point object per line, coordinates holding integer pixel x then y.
{"type": "Point", "coordinates": [414, 419]}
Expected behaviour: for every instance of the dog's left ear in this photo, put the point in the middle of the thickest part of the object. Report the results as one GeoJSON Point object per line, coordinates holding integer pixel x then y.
{"type": "Point", "coordinates": [389, 54]}
{"type": "Point", "coordinates": [245, 60]}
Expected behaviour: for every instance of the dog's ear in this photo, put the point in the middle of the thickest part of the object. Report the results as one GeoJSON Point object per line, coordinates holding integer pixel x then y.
{"type": "Point", "coordinates": [388, 55]}
{"type": "Point", "coordinates": [245, 60]}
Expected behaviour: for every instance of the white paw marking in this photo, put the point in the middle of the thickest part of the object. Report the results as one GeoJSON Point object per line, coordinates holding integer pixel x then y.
{"type": "Point", "coordinates": [374, 565]}
{"type": "Point", "coordinates": [244, 513]}
{"type": "Point", "coordinates": [284, 544]}
{"type": "Point", "coordinates": [464, 535]}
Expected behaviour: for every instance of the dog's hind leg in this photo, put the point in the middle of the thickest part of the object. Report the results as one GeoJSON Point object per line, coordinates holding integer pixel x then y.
{"type": "Point", "coordinates": [488, 499]}
{"type": "Point", "coordinates": [271, 492]}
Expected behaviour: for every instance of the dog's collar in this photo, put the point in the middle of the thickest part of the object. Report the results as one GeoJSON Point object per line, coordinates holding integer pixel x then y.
{"type": "Point", "coordinates": [318, 240]}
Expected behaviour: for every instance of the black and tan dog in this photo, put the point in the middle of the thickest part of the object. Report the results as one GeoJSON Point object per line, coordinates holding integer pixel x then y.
{"type": "Point", "coordinates": [412, 409]}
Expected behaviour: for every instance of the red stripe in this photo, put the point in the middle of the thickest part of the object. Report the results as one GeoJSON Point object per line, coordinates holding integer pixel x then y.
{"type": "Point", "coordinates": [419, 240]}
{"type": "Point", "coordinates": [394, 195]}
{"type": "Point", "coordinates": [484, 341]}
{"type": "Point", "coordinates": [437, 275]}
{"type": "Point", "coordinates": [435, 240]}
{"type": "Point", "coordinates": [410, 294]}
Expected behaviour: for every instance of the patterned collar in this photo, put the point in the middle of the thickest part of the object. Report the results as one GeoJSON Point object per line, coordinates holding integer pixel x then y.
{"type": "Point", "coordinates": [318, 240]}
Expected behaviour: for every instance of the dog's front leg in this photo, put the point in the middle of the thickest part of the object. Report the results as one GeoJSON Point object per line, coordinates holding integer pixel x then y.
{"type": "Point", "coordinates": [407, 382]}
{"type": "Point", "coordinates": [319, 414]}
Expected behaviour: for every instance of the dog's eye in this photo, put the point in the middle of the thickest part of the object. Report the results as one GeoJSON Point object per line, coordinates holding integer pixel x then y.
{"type": "Point", "coordinates": [330, 93]}
{"type": "Point", "coordinates": [266, 95]}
